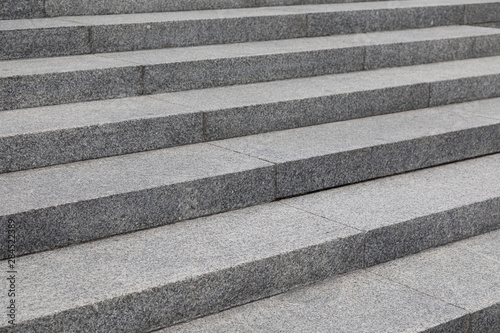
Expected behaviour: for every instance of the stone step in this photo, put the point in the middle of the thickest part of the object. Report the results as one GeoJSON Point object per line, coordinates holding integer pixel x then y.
{"type": "Point", "coordinates": [109, 33]}
{"type": "Point", "coordinates": [78, 202]}
{"type": "Point", "coordinates": [453, 288]}
{"type": "Point", "coordinates": [39, 82]}
{"type": "Point", "coordinates": [155, 278]}
{"type": "Point", "coordinates": [16, 9]}
{"type": "Point", "coordinates": [68, 133]}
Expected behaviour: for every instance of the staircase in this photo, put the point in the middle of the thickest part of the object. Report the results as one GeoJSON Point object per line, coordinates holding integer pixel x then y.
{"type": "Point", "coordinates": [250, 166]}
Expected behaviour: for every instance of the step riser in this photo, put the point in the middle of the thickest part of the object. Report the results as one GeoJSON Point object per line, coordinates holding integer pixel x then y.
{"type": "Point", "coordinates": [63, 225]}
{"type": "Point", "coordinates": [155, 35]}
{"type": "Point", "coordinates": [18, 9]}
{"type": "Point", "coordinates": [397, 241]}
{"type": "Point", "coordinates": [28, 151]}
{"type": "Point", "coordinates": [294, 178]}
{"type": "Point", "coordinates": [44, 229]}
{"type": "Point", "coordinates": [215, 291]}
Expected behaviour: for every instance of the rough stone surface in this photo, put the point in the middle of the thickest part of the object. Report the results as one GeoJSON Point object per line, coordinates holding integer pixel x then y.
{"type": "Point", "coordinates": [99, 198]}
{"type": "Point", "coordinates": [43, 43]}
{"type": "Point", "coordinates": [320, 24]}
{"type": "Point", "coordinates": [329, 155]}
{"type": "Point", "coordinates": [55, 81]}
{"type": "Point", "coordinates": [465, 274]}
{"type": "Point", "coordinates": [97, 7]}
{"type": "Point", "coordinates": [357, 302]}
{"type": "Point", "coordinates": [411, 212]}
{"type": "Point", "coordinates": [108, 38]}
{"type": "Point", "coordinates": [17, 9]}
{"type": "Point", "coordinates": [170, 29]}
{"type": "Point", "coordinates": [264, 107]}
{"type": "Point", "coordinates": [157, 277]}
{"type": "Point", "coordinates": [74, 132]}
{"type": "Point", "coordinates": [421, 52]}
{"type": "Point", "coordinates": [476, 13]}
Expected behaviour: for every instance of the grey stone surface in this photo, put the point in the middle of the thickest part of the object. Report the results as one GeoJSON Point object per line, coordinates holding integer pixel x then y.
{"type": "Point", "coordinates": [74, 132]}
{"type": "Point", "coordinates": [475, 13]}
{"type": "Point", "coordinates": [356, 302]}
{"type": "Point", "coordinates": [176, 33]}
{"type": "Point", "coordinates": [428, 51]}
{"type": "Point", "coordinates": [210, 66]}
{"type": "Point", "coordinates": [73, 203]}
{"type": "Point", "coordinates": [411, 212]}
{"type": "Point", "coordinates": [31, 43]}
{"type": "Point", "coordinates": [57, 80]}
{"type": "Point", "coordinates": [320, 24]}
{"type": "Point", "coordinates": [230, 71]}
{"type": "Point", "coordinates": [16, 9]}
{"type": "Point", "coordinates": [97, 7]}
{"type": "Point", "coordinates": [263, 107]}
{"type": "Point", "coordinates": [329, 155]}
{"type": "Point", "coordinates": [465, 274]}
{"type": "Point", "coordinates": [465, 89]}
{"type": "Point", "coordinates": [108, 33]}
{"type": "Point", "coordinates": [151, 279]}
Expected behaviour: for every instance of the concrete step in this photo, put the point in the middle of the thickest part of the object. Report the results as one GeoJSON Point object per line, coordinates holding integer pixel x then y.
{"type": "Point", "coordinates": [109, 33]}
{"type": "Point", "coordinates": [16, 9]}
{"type": "Point", "coordinates": [448, 289]}
{"type": "Point", "coordinates": [73, 132]}
{"type": "Point", "coordinates": [155, 278]}
{"type": "Point", "coordinates": [77, 202]}
{"type": "Point", "coordinates": [59, 80]}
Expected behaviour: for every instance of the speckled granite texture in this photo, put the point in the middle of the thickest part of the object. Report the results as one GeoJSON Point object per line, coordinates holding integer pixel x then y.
{"type": "Point", "coordinates": [170, 274]}
{"type": "Point", "coordinates": [448, 289]}
{"type": "Point", "coordinates": [175, 29]}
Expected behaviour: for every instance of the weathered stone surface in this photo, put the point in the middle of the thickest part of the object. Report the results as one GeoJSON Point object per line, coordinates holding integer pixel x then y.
{"type": "Point", "coordinates": [357, 302]}
{"type": "Point", "coordinates": [157, 277]}
{"type": "Point", "coordinates": [329, 155]}
{"type": "Point", "coordinates": [411, 212]}
{"type": "Point", "coordinates": [73, 203]}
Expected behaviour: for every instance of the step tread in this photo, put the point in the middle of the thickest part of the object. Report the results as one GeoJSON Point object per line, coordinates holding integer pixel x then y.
{"type": "Point", "coordinates": [139, 262]}
{"type": "Point", "coordinates": [64, 64]}
{"type": "Point", "coordinates": [436, 289]}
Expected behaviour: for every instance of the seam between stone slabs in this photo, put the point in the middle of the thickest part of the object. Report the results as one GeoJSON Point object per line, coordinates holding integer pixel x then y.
{"type": "Point", "coordinates": [89, 41]}
{"type": "Point", "coordinates": [429, 91]}
{"type": "Point", "coordinates": [461, 113]}
{"type": "Point", "coordinates": [465, 14]}
{"type": "Point", "coordinates": [44, 8]}
{"type": "Point", "coordinates": [239, 152]}
{"type": "Point", "coordinates": [365, 50]}
{"type": "Point", "coordinates": [412, 288]}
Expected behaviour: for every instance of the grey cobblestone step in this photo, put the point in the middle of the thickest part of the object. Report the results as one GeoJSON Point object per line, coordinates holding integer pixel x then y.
{"type": "Point", "coordinates": [109, 33]}
{"type": "Point", "coordinates": [45, 136]}
{"type": "Point", "coordinates": [17, 9]}
{"type": "Point", "coordinates": [39, 82]}
{"type": "Point", "coordinates": [82, 201]}
{"type": "Point", "coordinates": [155, 278]}
{"type": "Point", "coordinates": [447, 289]}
